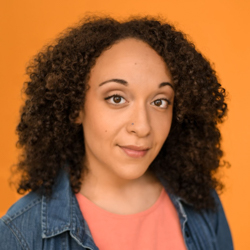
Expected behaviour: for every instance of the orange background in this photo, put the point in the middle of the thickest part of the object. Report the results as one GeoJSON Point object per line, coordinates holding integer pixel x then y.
{"type": "Point", "coordinates": [219, 28]}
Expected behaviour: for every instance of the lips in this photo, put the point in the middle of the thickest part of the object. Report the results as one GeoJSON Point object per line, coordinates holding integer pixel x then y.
{"type": "Point", "coordinates": [134, 151]}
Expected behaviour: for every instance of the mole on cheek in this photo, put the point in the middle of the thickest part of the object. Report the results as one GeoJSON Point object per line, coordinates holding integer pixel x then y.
{"type": "Point", "coordinates": [105, 131]}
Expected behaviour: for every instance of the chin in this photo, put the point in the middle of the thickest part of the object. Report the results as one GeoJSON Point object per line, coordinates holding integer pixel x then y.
{"type": "Point", "coordinates": [132, 175]}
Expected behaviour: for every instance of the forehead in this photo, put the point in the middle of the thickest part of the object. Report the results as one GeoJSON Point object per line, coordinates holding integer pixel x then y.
{"type": "Point", "coordinates": [130, 58]}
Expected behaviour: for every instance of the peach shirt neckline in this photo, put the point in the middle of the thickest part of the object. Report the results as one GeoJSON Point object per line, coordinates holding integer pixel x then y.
{"type": "Point", "coordinates": [121, 216]}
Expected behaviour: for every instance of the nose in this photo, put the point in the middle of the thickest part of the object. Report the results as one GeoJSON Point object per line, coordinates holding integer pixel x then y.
{"type": "Point", "coordinates": [139, 123]}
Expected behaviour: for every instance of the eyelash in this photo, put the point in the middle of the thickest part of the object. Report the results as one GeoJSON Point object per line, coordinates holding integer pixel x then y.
{"type": "Point", "coordinates": [116, 95]}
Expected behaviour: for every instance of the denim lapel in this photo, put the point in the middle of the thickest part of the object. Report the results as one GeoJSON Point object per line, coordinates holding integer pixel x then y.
{"type": "Point", "coordinates": [61, 213]}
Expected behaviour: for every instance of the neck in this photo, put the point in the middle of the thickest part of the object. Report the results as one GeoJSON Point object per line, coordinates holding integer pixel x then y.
{"type": "Point", "coordinates": [118, 195]}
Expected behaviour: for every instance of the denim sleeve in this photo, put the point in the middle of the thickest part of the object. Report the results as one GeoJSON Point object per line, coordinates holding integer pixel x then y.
{"type": "Point", "coordinates": [8, 240]}
{"type": "Point", "coordinates": [222, 230]}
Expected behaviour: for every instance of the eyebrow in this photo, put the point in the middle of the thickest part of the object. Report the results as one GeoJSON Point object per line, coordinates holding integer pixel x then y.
{"type": "Point", "coordinates": [166, 84]}
{"type": "Point", "coordinates": [125, 83]}
{"type": "Point", "coordinates": [121, 81]}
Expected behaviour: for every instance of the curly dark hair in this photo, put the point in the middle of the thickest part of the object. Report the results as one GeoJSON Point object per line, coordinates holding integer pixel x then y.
{"type": "Point", "coordinates": [55, 92]}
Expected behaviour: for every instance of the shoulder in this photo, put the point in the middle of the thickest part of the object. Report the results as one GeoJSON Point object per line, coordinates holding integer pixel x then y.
{"type": "Point", "coordinates": [221, 225]}
{"type": "Point", "coordinates": [23, 205]}
{"type": "Point", "coordinates": [211, 224]}
{"type": "Point", "coordinates": [216, 217]}
{"type": "Point", "coordinates": [21, 222]}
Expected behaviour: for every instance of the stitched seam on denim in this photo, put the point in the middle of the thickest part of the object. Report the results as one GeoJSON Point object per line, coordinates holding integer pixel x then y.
{"type": "Point", "coordinates": [45, 231]}
{"type": "Point", "coordinates": [23, 210]}
{"type": "Point", "coordinates": [76, 206]}
{"type": "Point", "coordinates": [57, 231]}
{"type": "Point", "coordinates": [6, 219]}
{"type": "Point", "coordinates": [17, 235]}
{"type": "Point", "coordinates": [86, 227]}
{"type": "Point", "coordinates": [182, 212]}
{"type": "Point", "coordinates": [63, 238]}
{"type": "Point", "coordinates": [44, 217]}
{"type": "Point", "coordinates": [80, 242]}
{"type": "Point", "coordinates": [72, 213]}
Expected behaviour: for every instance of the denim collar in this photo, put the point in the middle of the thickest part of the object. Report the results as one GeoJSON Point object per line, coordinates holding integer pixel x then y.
{"type": "Point", "coordinates": [61, 212]}
{"type": "Point", "coordinates": [178, 203]}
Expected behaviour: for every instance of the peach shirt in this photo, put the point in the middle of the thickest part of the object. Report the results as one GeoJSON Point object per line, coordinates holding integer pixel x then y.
{"type": "Point", "coordinates": [157, 228]}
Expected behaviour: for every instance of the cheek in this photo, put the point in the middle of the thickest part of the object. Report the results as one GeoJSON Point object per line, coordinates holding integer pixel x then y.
{"type": "Point", "coordinates": [98, 123]}
{"type": "Point", "coordinates": [162, 127]}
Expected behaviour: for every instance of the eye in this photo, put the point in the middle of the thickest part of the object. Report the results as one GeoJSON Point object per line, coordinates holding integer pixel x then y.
{"type": "Point", "coordinates": [161, 103]}
{"type": "Point", "coordinates": [115, 99]}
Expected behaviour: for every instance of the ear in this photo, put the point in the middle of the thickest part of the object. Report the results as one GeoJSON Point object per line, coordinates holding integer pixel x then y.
{"type": "Point", "coordinates": [79, 119]}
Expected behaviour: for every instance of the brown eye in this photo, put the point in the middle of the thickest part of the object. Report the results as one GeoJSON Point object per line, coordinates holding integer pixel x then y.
{"type": "Point", "coordinates": [158, 103]}
{"type": "Point", "coordinates": [117, 99]}
{"type": "Point", "coordinates": [161, 103]}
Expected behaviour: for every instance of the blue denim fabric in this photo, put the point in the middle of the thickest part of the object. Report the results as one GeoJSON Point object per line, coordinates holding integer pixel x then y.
{"type": "Point", "coordinates": [36, 222]}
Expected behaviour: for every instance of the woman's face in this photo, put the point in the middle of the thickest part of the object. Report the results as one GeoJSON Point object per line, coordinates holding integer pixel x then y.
{"type": "Point", "coordinates": [128, 110]}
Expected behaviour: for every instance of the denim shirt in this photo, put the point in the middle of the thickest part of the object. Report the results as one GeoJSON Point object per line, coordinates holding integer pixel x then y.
{"type": "Point", "coordinates": [37, 222]}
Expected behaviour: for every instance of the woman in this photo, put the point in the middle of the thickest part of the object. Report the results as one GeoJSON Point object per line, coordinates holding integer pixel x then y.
{"type": "Point", "coordinates": [120, 143]}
